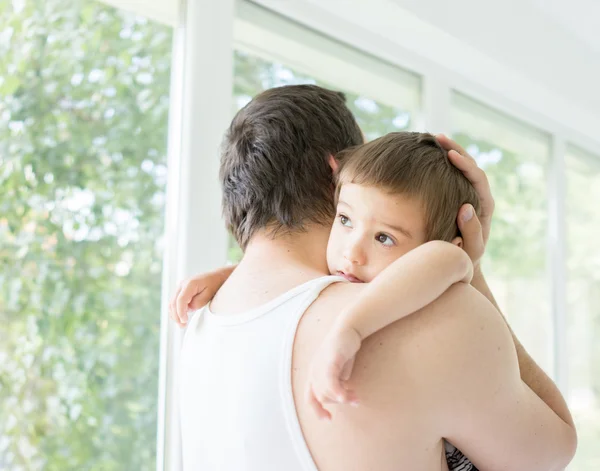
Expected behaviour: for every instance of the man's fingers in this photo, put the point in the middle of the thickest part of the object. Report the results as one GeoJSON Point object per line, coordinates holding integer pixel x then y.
{"type": "Point", "coordinates": [471, 231]}
{"type": "Point", "coordinates": [449, 144]}
{"type": "Point", "coordinates": [480, 182]}
{"type": "Point", "coordinates": [474, 174]}
{"type": "Point", "coordinates": [470, 169]}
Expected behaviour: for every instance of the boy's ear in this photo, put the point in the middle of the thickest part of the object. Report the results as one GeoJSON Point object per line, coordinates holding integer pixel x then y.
{"type": "Point", "coordinates": [458, 241]}
{"type": "Point", "coordinates": [333, 163]}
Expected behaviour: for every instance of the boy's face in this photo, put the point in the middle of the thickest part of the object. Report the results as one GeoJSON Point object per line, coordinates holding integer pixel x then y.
{"type": "Point", "coordinates": [372, 229]}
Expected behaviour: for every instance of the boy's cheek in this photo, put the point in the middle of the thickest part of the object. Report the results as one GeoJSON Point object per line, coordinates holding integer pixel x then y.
{"type": "Point", "coordinates": [331, 258]}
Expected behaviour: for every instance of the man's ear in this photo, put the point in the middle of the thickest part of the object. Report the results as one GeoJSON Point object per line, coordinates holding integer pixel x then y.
{"type": "Point", "coordinates": [458, 241]}
{"type": "Point", "coordinates": [333, 163]}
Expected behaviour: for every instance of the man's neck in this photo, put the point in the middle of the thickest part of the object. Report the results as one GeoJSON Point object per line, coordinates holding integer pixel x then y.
{"type": "Point", "coordinates": [305, 250]}
{"type": "Point", "coordinates": [273, 264]}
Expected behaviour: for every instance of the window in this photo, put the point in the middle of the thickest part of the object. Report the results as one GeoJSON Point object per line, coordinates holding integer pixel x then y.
{"type": "Point", "coordinates": [252, 75]}
{"type": "Point", "coordinates": [272, 51]}
{"type": "Point", "coordinates": [83, 133]}
{"type": "Point", "coordinates": [583, 302]}
{"type": "Point", "coordinates": [515, 157]}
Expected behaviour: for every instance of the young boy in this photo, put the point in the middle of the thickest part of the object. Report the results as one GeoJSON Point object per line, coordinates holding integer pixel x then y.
{"type": "Point", "coordinates": [395, 228]}
{"type": "Point", "coordinates": [397, 196]}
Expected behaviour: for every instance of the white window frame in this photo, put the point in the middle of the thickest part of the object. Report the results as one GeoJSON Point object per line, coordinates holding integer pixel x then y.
{"type": "Point", "coordinates": [194, 133]}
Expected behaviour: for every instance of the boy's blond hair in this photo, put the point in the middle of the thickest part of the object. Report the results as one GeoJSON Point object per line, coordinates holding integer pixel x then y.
{"type": "Point", "coordinates": [415, 165]}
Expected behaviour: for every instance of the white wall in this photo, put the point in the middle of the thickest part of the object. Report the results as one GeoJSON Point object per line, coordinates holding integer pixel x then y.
{"type": "Point", "coordinates": [508, 54]}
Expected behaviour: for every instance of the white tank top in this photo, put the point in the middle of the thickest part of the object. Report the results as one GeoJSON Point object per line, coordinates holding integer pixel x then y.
{"type": "Point", "coordinates": [237, 407]}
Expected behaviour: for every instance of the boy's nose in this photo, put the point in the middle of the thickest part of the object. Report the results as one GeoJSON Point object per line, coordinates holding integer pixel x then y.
{"type": "Point", "coordinates": [355, 254]}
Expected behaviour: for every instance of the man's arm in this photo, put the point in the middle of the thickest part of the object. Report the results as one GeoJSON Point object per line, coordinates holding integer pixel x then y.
{"type": "Point", "coordinates": [483, 406]}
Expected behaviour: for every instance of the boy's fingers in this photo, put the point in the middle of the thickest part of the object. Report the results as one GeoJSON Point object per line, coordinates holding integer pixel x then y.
{"type": "Point", "coordinates": [347, 370]}
{"type": "Point", "coordinates": [190, 289]}
{"type": "Point", "coordinates": [200, 300]}
{"type": "Point", "coordinates": [173, 305]}
{"type": "Point", "coordinates": [182, 305]}
{"type": "Point", "coordinates": [337, 392]}
{"type": "Point", "coordinates": [321, 412]}
{"type": "Point", "coordinates": [351, 397]}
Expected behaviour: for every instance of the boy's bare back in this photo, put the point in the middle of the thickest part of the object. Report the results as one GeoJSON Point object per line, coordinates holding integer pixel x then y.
{"type": "Point", "coordinates": [397, 378]}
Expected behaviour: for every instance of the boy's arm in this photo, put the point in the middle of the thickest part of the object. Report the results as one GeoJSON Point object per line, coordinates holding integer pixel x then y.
{"type": "Point", "coordinates": [407, 285]}
{"type": "Point", "coordinates": [196, 292]}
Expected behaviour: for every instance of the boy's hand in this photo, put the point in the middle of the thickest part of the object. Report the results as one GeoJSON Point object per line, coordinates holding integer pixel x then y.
{"type": "Point", "coordinates": [475, 231]}
{"type": "Point", "coordinates": [330, 369]}
{"type": "Point", "coordinates": [191, 294]}
{"type": "Point", "coordinates": [196, 292]}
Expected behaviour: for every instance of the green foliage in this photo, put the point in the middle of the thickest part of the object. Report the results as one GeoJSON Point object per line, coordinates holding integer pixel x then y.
{"type": "Point", "coordinates": [83, 122]}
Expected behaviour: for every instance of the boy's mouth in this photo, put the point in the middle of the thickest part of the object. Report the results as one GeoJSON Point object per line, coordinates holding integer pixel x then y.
{"type": "Point", "coordinates": [351, 278]}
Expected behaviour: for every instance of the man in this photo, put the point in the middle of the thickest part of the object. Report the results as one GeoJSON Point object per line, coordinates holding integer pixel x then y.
{"type": "Point", "coordinates": [451, 371]}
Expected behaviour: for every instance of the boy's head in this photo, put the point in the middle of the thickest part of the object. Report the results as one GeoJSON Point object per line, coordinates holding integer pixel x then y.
{"type": "Point", "coordinates": [275, 171]}
{"type": "Point", "coordinates": [394, 194]}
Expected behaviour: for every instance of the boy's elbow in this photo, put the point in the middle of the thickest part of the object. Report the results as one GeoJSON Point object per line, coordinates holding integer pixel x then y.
{"type": "Point", "coordinates": [459, 261]}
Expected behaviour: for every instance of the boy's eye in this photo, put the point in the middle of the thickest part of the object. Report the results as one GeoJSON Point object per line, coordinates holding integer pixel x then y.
{"type": "Point", "coordinates": [384, 240]}
{"type": "Point", "coordinates": [345, 221]}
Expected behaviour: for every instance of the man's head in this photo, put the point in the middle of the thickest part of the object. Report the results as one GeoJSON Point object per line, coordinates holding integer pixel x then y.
{"type": "Point", "coordinates": [394, 194]}
{"type": "Point", "coordinates": [274, 165]}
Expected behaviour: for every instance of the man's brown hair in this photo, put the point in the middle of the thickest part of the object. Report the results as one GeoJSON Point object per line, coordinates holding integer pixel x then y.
{"type": "Point", "coordinates": [274, 163]}
{"type": "Point", "coordinates": [415, 165]}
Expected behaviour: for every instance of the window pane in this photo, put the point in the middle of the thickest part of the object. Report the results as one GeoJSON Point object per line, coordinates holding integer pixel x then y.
{"type": "Point", "coordinates": [252, 75]}
{"type": "Point", "coordinates": [515, 157]}
{"type": "Point", "coordinates": [583, 303]}
{"type": "Point", "coordinates": [83, 124]}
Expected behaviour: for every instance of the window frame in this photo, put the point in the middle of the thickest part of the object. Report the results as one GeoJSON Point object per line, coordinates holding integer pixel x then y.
{"type": "Point", "coordinates": [439, 80]}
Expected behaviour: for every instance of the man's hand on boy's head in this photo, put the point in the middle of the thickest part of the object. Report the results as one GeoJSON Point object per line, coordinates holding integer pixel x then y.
{"type": "Point", "coordinates": [472, 233]}
{"type": "Point", "coordinates": [475, 230]}
{"type": "Point", "coordinates": [461, 159]}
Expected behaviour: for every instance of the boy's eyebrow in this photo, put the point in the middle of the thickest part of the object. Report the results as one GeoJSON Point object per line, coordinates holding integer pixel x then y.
{"type": "Point", "coordinates": [399, 229]}
{"type": "Point", "coordinates": [344, 203]}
